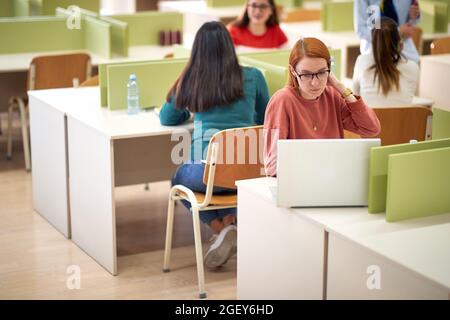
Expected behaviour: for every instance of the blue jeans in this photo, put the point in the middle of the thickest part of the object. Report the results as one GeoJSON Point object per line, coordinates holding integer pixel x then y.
{"type": "Point", "coordinates": [190, 175]}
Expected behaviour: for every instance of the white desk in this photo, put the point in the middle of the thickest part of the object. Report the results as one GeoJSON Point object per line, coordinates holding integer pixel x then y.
{"type": "Point", "coordinates": [435, 79]}
{"type": "Point", "coordinates": [81, 152]}
{"type": "Point", "coordinates": [324, 253]}
{"type": "Point", "coordinates": [196, 13]}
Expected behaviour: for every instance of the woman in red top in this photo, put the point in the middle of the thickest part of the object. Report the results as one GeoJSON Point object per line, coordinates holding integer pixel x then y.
{"type": "Point", "coordinates": [314, 104]}
{"type": "Point", "coordinates": [258, 26]}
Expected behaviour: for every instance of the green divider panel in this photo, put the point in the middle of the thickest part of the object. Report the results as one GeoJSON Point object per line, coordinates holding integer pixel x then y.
{"type": "Point", "coordinates": [119, 36]}
{"type": "Point", "coordinates": [180, 51]}
{"type": "Point", "coordinates": [6, 8]}
{"type": "Point", "coordinates": [337, 16]}
{"type": "Point", "coordinates": [441, 124]}
{"type": "Point", "coordinates": [225, 3]}
{"type": "Point", "coordinates": [22, 8]}
{"type": "Point", "coordinates": [434, 17]}
{"type": "Point", "coordinates": [97, 36]}
{"type": "Point", "coordinates": [154, 81]}
{"type": "Point", "coordinates": [418, 184]}
{"type": "Point", "coordinates": [447, 2]}
{"type": "Point", "coordinates": [276, 76]}
{"type": "Point", "coordinates": [378, 169]}
{"type": "Point", "coordinates": [144, 27]}
{"type": "Point", "coordinates": [18, 35]}
{"type": "Point", "coordinates": [48, 7]}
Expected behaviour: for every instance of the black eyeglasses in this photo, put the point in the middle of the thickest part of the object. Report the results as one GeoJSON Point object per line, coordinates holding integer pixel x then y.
{"type": "Point", "coordinates": [262, 6]}
{"type": "Point", "coordinates": [321, 76]}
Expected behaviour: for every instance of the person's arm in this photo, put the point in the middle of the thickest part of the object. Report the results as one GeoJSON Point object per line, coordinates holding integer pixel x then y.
{"type": "Point", "coordinates": [262, 97]}
{"type": "Point", "coordinates": [276, 126]}
{"type": "Point", "coordinates": [356, 116]}
{"type": "Point", "coordinates": [360, 19]}
{"type": "Point", "coordinates": [171, 116]}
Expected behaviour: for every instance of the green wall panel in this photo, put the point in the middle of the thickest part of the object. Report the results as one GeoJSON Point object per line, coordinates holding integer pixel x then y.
{"type": "Point", "coordinates": [97, 36]}
{"type": "Point", "coordinates": [441, 124]}
{"type": "Point", "coordinates": [418, 184]}
{"type": "Point", "coordinates": [337, 16]}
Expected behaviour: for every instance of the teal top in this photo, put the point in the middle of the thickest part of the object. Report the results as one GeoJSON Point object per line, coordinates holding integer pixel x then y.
{"type": "Point", "coordinates": [245, 112]}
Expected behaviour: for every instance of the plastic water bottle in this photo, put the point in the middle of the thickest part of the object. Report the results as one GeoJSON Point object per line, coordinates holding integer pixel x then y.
{"type": "Point", "coordinates": [133, 95]}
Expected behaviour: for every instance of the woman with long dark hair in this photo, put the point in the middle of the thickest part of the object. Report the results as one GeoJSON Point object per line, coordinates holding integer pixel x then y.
{"type": "Point", "coordinates": [221, 95]}
{"type": "Point", "coordinates": [383, 76]}
{"type": "Point", "coordinates": [258, 26]}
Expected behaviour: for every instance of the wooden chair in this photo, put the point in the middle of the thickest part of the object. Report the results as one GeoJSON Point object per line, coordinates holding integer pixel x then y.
{"type": "Point", "coordinates": [301, 14]}
{"type": "Point", "coordinates": [417, 39]}
{"type": "Point", "coordinates": [440, 46]}
{"type": "Point", "coordinates": [234, 154]}
{"type": "Point", "coordinates": [46, 72]}
{"type": "Point", "coordinates": [402, 124]}
{"type": "Point", "coordinates": [91, 82]}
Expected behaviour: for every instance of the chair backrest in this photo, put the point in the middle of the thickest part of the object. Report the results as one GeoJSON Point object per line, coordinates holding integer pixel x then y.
{"type": "Point", "coordinates": [402, 124]}
{"type": "Point", "coordinates": [59, 71]}
{"type": "Point", "coordinates": [91, 82]}
{"type": "Point", "coordinates": [239, 157]}
{"type": "Point", "coordinates": [301, 14]}
{"type": "Point", "coordinates": [417, 38]}
{"type": "Point", "coordinates": [440, 46]}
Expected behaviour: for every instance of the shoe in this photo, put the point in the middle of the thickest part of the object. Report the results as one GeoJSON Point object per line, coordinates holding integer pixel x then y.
{"type": "Point", "coordinates": [224, 246]}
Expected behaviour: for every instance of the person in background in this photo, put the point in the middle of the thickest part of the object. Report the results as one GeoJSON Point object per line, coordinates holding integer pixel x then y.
{"type": "Point", "coordinates": [382, 76]}
{"type": "Point", "coordinates": [404, 12]}
{"type": "Point", "coordinates": [221, 95]}
{"type": "Point", "coordinates": [258, 26]}
{"type": "Point", "coordinates": [314, 104]}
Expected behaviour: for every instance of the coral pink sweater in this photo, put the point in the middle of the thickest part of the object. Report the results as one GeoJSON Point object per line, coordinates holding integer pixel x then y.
{"type": "Point", "coordinates": [290, 116]}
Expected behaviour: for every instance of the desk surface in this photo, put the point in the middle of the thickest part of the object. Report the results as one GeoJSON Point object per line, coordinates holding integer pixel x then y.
{"type": "Point", "coordinates": [21, 61]}
{"type": "Point", "coordinates": [439, 58]}
{"type": "Point", "coordinates": [421, 245]}
{"type": "Point", "coordinates": [83, 104]}
{"type": "Point", "coordinates": [199, 7]}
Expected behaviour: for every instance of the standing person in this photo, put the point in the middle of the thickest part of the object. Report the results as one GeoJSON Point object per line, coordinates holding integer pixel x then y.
{"type": "Point", "coordinates": [404, 12]}
{"type": "Point", "coordinates": [222, 95]}
{"type": "Point", "coordinates": [314, 104]}
{"type": "Point", "coordinates": [383, 77]}
{"type": "Point", "coordinates": [258, 26]}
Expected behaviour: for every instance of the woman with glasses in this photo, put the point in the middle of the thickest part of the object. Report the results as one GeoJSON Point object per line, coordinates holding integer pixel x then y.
{"type": "Point", "coordinates": [258, 26]}
{"type": "Point", "coordinates": [383, 76]}
{"type": "Point", "coordinates": [314, 104]}
{"type": "Point", "coordinates": [221, 95]}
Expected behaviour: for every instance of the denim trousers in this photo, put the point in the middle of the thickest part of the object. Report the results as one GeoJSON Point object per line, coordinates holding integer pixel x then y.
{"type": "Point", "coordinates": [190, 175]}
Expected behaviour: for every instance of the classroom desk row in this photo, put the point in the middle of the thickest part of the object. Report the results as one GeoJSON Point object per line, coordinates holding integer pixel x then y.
{"type": "Point", "coordinates": [14, 67]}
{"type": "Point", "coordinates": [336, 253]}
{"type": "Point", "coordinates": [81, 152]}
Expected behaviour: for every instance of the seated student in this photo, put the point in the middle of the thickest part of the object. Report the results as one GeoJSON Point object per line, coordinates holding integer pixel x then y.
{"type": "Point", "coordinates": [258, 26]}
{"type": "Point", "coordinates": [222, 95]}
{"type": "Point", "coordinates": [383, 77]}
{"type": "Point", "coordinates": [314, 104]}
{"type": "Point", "coordinates": [405, 13]}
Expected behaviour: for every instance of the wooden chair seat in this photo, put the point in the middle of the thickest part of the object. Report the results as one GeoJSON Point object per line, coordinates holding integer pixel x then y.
{"type": "Point", "coordinates": [216, 200]}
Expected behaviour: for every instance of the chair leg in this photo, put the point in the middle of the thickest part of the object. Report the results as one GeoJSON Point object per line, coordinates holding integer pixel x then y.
{"type": "Point", "coordinates": [9, 132]}
{"type": "Point", "coordinates": [198, 252]}
{"type": "Point", "coordinates": [169, 230]}
{"type": "Point", "coordinates": [25, 137]}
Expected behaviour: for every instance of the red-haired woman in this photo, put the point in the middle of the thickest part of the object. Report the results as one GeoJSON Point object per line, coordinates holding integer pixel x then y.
{"type": "Point", "coordinates": [258, 26]}
{"type": "Point", "coordinates": [314, 104]}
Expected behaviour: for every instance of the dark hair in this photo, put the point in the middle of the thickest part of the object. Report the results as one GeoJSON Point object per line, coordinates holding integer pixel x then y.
{"type": "Point", "coordinates": [386, 47]}
{"type": "Point", "coordinates": [212, 76]}
{"type": "Point", "coordinates": [243, 20]}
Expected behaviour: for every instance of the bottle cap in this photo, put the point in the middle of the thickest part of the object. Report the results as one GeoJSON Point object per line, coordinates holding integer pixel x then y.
{"type": "Point", "coordinates": [412, 141]}
{"type": "Point", "coordinates": [132, 76]}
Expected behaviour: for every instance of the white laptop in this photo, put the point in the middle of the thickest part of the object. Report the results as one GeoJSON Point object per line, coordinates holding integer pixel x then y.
{"type": "Point", "coordinates": [323, 172]}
